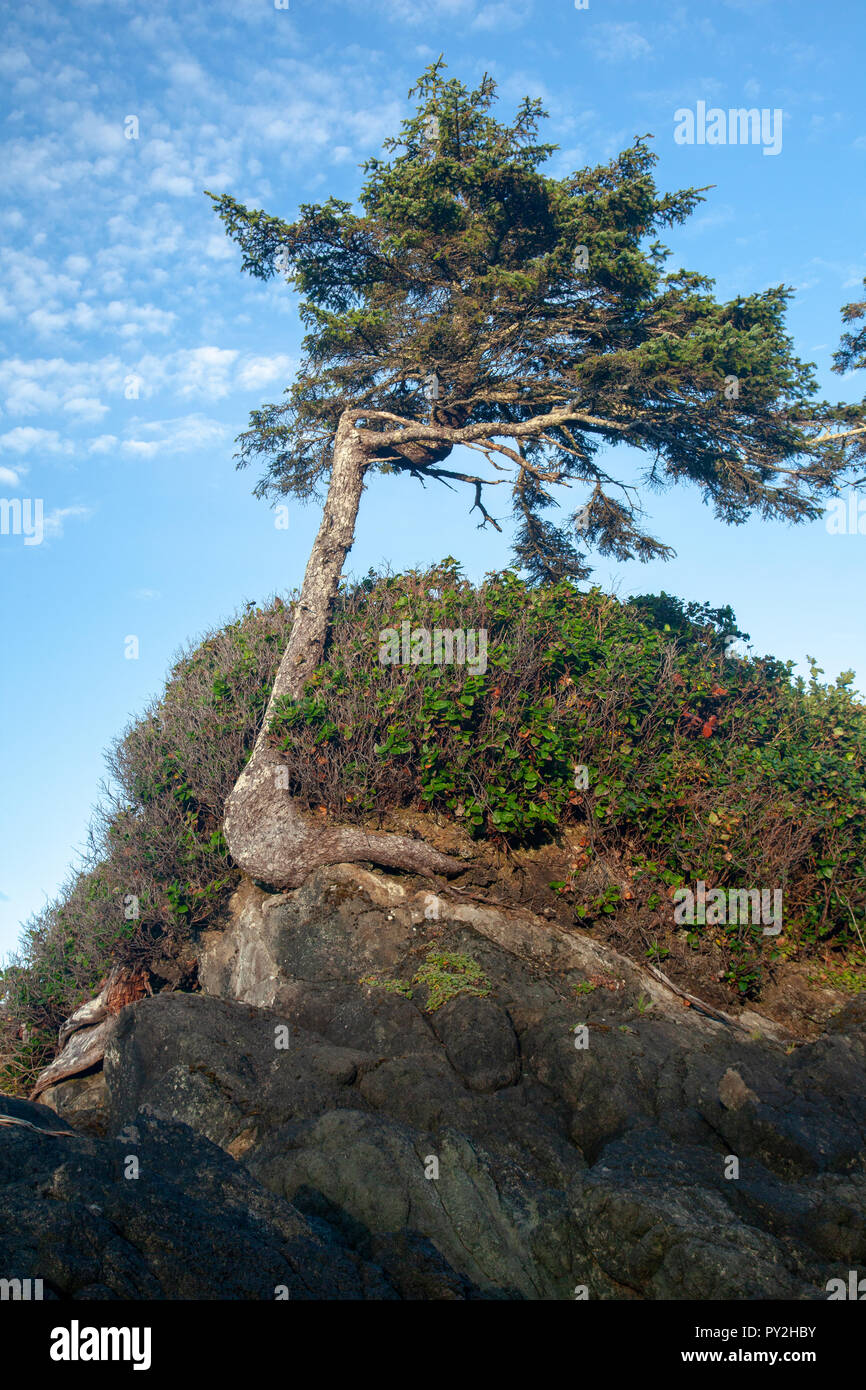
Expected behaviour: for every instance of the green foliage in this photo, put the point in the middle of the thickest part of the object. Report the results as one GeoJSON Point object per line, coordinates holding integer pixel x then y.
{"type": "Point", "coordinates": [701, 766]}
{"type": "Point", "coordinates": [545, 309]}
{"type": "Point", "coordinates": [390, 986]}
{"type": "Point", "coordinates": [850, 978]}
{"type": "Point", "coordinates": [447, 975]}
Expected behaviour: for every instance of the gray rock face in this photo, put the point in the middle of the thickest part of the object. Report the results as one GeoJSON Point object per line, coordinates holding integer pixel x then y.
{"type": "Point", "coordinates": [81, 1101]}
{"type": "Point", "coordinates": [192, 1224]}
{"type": "Point", "coordinates": [516, 1144]}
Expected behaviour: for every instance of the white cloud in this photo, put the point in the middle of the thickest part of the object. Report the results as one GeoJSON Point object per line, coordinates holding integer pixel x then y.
{"type": "Point", "coordinates": [615, 43]}
{"type": "Point", "coordinates": [12, 61]}
{"type": "Point", "coordinates": [428, 12]}
{"type": "Point", "coordinates": [80, 389]}
{"type": "Point", "coordinates": [104, 444]}
{"type": "Point", "coordinates": [9, 477]}
{"type": "Point", "coordinates": [40, 385]}
{"type": "Point", "coordinates": [85, 408]}
{"type": "Point", "coordinates": [257, 372]}
{"type": "Point", "coordinates": [81, 317]}
{"type": "Point", "coordinates": [164, 180]}
{"type": "Point", "coordinates": [204, 371]}
{"type": "Point", "coordinates": [219, 248]}
{"type": "Point", "coordinates": [178, 436]}
{"type": "Point", "coordinates": [502, 16]}
{"type": "Point", "coordinates": [132, 319]}
{"type": "Point", "coordinates": [24, 438]}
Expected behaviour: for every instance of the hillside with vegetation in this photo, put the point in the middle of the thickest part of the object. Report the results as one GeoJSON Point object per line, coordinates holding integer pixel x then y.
{"type": "Point", "coordinates": [701, 764]}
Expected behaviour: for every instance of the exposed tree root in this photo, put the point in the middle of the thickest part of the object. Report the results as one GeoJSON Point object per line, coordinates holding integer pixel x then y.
{"type": "Point", "coordinates": [274, 843]}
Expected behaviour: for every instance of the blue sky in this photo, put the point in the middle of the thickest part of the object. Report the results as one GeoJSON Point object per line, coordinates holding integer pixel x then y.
{"type": "Point", "coordinates": [132, 350]}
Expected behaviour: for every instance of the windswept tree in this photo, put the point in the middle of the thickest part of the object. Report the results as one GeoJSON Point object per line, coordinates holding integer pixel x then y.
{"type": "Point", "coordinates": [475, 301]}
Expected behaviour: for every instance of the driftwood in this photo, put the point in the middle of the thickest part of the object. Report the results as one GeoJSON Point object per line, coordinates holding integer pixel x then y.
{"type": "Point", "coordinates": [84, 1036]}
{"type": "Point", "coordinates": [38, 1129]}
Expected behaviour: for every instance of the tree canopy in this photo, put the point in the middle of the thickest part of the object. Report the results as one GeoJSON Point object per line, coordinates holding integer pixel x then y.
{"type": "Point", "coordinates": [472, 299]}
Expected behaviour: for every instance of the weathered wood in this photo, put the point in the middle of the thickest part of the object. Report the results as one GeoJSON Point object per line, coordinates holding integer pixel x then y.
{"type": "Point", "coordinates": [85, 1034]}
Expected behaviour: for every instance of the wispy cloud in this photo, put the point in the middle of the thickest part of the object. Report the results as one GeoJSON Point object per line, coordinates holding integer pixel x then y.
{"type": "Point", "coordinates": [80, 389]}
{"type": "Point", "coordinates": [148, 439]}
{"type": "Point", "coordinates": [55, 520]}
{"type": "Point", "coordinates": [25, 438]}
{"type": "Point", "coordinates": [501, 17]}
{"type": "Point", "coordinates": [616, 43]}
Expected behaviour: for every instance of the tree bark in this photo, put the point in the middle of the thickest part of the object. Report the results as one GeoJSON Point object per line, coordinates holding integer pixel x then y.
{"type": "Point", "coordinates": [324, 567]}
{"type": "Point", "coordinates": [267, 835]}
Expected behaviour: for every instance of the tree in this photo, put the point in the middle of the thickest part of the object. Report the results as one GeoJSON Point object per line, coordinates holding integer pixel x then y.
{"type": "Point", "coordinates": [850, 356]}
{"type": "Point", "coordinates": [475, 301]}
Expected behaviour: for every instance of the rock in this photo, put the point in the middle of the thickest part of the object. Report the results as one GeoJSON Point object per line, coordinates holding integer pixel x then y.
{"type": "Point", "coordinates": [851, 1018]}
{"type": "Point", "coordinates": [487, 1148]}
{"type": "Point", "coordinates": [81, 1101]}
{"type": "Point", "coordinates": [480, 1042]}
{"type": "Point", "coordinates": [733, 1091]}
{"type": "Point", "coordinates": [192, 1225]}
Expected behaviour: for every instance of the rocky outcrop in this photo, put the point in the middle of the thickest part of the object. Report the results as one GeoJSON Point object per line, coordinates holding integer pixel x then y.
{"type": "Point", "coordinates": [570, 1123]}
{"type": "Point", "coordinates": [160, 1212]}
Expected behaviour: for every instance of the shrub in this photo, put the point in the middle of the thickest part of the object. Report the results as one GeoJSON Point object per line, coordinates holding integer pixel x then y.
{"type": "Point", "coordinates": [156, 845]}
{"type": "Point", "coordinates": [701, 765]}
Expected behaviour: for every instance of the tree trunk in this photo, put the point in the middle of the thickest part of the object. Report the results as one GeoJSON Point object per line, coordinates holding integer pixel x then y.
{"type": "Point", "coordinates": [324, 567]}
{"type": "Point", "coordinates": [267, 835]}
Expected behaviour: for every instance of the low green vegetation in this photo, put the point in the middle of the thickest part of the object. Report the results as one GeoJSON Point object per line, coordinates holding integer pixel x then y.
{"type": "Point", "coordinates": [442, 976]}
{"type": "Point", "coordinates": [700, 765]}
{"type": "Point", "coordinates": [390, 986]}
{"type": "Point", "coordinates": [445, 975]}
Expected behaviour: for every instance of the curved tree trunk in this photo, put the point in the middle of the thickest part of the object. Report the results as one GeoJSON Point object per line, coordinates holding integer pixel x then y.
{"type": "Point", "coordinates": [268, 837]}
{"type": "Point", "coordinates": [324, 567]}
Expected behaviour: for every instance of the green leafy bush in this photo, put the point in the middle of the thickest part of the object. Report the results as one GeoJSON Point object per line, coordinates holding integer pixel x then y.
{"type": "Point", "coordinates": [700, 765]}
